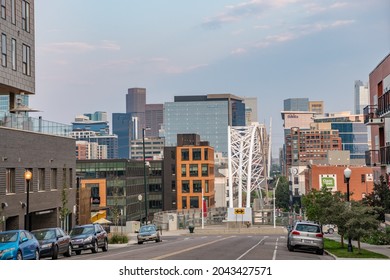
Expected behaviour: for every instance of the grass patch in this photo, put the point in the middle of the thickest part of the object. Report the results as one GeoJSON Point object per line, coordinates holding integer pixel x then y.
{"type": "Point", "coordinates": [334, 247]}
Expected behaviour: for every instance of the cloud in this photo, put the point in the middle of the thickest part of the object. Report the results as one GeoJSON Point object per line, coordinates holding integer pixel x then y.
{"type": "Point", "coordinates": [234, 13]}
{"type": "Point", "coordinates": [80, 47]}
{"type": "Point", "coordinates": [238, 51]}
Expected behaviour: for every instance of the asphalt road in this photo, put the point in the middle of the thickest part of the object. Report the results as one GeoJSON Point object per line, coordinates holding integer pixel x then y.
{"type": "Point", "coordinates": [207, 247]}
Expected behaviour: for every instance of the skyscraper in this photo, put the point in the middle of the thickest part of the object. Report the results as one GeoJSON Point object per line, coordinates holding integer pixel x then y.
{"type": "Point", "coordinates": [206, 115]}
{"type": "Point", "coordinates": [361, 97]}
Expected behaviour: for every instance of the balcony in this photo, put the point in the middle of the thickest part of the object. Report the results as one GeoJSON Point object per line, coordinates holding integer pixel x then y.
{"type": "Point", "coordinates": [372, 158]}
{"type": "Point", "coordinates": [371, 116]}
{"type": "Point", "coordinates": [384, 155]}
{"type": "Point", "coordinates": [384, 104]}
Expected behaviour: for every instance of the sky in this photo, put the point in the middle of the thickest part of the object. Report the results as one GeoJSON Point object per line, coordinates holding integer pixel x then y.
{"type": "Point", "coordinates": [89, 52]}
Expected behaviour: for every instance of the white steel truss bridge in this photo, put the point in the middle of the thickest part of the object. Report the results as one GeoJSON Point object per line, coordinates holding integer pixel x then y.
{"type": "Point", "coordinates": [247, 158]}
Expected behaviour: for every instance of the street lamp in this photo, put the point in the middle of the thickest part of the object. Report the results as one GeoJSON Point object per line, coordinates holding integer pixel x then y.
{"type": "Point", "coordinates": [139, 200]}
{"type": "Point", "coordinates": [347, 175]}
{"type": "Point", "coordinates": [145, 185]}
{"type": "Point", "coordinates": [27, 177]}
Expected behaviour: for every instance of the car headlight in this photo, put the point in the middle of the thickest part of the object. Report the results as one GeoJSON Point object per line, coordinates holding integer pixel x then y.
{"type": "Point", "coordinates": [5, 251]}
{"type": "Point", "coordinates": [47, 246]}
{"type": "Point", "coordinates": [88, 239]}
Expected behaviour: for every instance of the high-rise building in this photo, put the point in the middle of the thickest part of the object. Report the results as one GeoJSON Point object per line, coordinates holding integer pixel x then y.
{"type": "Point", "coordinates": [251, 114]}
{"type": "Point", "coordinates": [135, 106]}
{"type": "Point", "coordinates": [154, 119]}
{"type": "Point", "coordinates": [377, 114]}
{"type": "Point", "coordinates": [361, 97]}
{"type": "Point", "coordinates": [296, 104]}
{"type": "Point", "coordinates": [206, 115]}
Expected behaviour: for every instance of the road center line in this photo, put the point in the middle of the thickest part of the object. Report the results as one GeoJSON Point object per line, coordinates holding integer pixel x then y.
{"type": "Point", "coordinates": [276, 248]}
{"type": "Point", "coordinates": [250, 249]}
{"type": "Point", "coordinates": [188, 249]}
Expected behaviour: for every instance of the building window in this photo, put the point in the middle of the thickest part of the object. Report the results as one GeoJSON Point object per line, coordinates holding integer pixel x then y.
{"type": "Point", "coordinates": [184, 202]}
{"type": "Point", "coordinates": [183, 170]}
{"type": "Point", "coordinates": [13, 53]}
{"type": "Point", "coordinates": [185, 154]}
{"type": "Point", "coordinates": [197, 186]}
{"type": "Point", "coordinates": [26, 60]}
{"type": "Point", "coordinates": [205, 170]}
{"type": "Point", "coordinates": [25, 16]}
{"type": "Point", "coordinates": [173, 169]}
{"type": "Point", "coordinates": [173, 186]}
{"type": "Point", "coordinates": [4, 50]}
{"type": "Point", "coordinates": [3, 13]}
{"type": "Point", "coordinates": [206, 186]}
{"type": "Point", "coordinates": [194, 202]}
{"type": "Point", "coordinates": [13, 12]}
{"type": "Point", "coordinates": [363, 178]}
{"type": "Point", "coordinates": [63, 177]}
{"type": "Point", "coordinates": [41, 179]}
{"type": "Point", "coordinates": [70, 178]}
{"type": "Point", "coordinates": [206, 154]}
{"type": "Point", "coordinates": [10, 180]}
{"type": "Point", "coordinates": [196, 154]}
{"type": "Point", "coordinates": [193, 170]}
{"type": "Point", "coordinates": [53, 178]}
{"type": "Point", "coordinates": [185, 186]}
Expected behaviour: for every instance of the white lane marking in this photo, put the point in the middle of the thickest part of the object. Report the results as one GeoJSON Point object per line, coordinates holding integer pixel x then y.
{"type": "Point", "coordinates": [250, 249]}
{"type": "Point", "coordinates": [276, 248]}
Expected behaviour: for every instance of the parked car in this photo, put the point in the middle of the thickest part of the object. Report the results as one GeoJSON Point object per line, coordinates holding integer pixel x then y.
{"type": "Point", "coordinates": [148, 233]}
{"type": "Point", "coordinates": [306, 236]}
{"type": "Point", "coordinates": [329, 229]}
{"type": "Point", "coordinates": [18, 245]}
{"type": "Point", "coordinates": [53, 241]}
{"type": "Point", "coordinates": [88, 237]}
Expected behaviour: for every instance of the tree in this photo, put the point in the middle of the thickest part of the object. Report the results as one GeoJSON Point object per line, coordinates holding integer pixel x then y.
{"type": "Point", "coordinates": [379, 198]}
{"type": "Point", "coordinates": [282, 196]}
{"type": "Point", "coordinates": [64, 211]}
{"type": "Point", "coordinates": [361, 220]}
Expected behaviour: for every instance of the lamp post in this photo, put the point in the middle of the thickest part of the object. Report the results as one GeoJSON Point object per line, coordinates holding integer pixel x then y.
{"type": "Point", "coordinates": [139, 200]}
{"type": "Point", "coordinates": [27, 177]}
{"type": "Point", "coordinates": [347, 175]}
{"type": "Point", "coordinates": [276, 185]}
{"type": "Point", "coordinates": [145, 185]}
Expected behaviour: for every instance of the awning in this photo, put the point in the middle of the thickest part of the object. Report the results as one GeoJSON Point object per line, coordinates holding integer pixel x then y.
{"type": "Point", "coordinates": [103, 221]}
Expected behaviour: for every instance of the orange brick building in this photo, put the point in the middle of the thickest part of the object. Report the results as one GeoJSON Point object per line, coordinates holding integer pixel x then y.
{"type": "Point", "coordinates": [360, 183]}
{"type": "Point", "coordinates": [194, 175]}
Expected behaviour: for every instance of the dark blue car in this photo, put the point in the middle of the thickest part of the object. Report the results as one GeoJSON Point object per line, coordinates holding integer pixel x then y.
{"type": "Point", "coordinates": [53, 241]}
{"type": "Point", "coordinates": [18, 245]}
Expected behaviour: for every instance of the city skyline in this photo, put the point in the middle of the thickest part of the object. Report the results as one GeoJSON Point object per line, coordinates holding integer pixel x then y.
{"type": "Point", "coordinates": [87, 58]}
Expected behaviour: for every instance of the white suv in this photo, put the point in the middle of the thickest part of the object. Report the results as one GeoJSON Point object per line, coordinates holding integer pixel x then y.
{"type": "Point", "coordinates": [306, 236]}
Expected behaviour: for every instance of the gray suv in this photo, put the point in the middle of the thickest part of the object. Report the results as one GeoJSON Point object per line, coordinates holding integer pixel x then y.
{"type": "Point", "coordinates": [306, 236]}
{"type": "Point", "coordinates": [88, 237]}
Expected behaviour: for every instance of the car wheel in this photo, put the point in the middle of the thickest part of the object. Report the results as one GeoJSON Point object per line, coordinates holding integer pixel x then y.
{"type": "Point", "coordinates": [290, 248]}
{"type": "Point", "coordinates": [105, 246]}
{"type": "Point", "coordinates": [36, 255]}
{"type": "Point", "coordinates": [331, 231]}
{"type": "Point", "coordinates": [78, 252]}
{"type": "Point", "coordinates": [320, 252]}
{"type": "Point", "coordinates": [95, 247]}
{"type": "Point", "coordinates": [55, 253]}
{"type": "Point", "coordinates": [140, 242]}
{"type": "Point", "coordinates": [19, 256]}
{"type": "Point", "coordinates": [68, 253]}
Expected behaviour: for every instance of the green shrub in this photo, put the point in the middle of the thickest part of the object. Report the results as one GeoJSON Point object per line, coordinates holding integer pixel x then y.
{"type": "Point", "coordinates": [118, 239]}
{"type": "Point", "coordinates": [378, 237]}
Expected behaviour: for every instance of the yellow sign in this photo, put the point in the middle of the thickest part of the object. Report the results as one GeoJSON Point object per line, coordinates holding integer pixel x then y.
{"type": "Point", "coordinates": [239, 211]}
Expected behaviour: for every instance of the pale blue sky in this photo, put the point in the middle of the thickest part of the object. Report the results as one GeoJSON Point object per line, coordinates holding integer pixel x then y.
{"type": "Point", "coordinates": [89, 52]}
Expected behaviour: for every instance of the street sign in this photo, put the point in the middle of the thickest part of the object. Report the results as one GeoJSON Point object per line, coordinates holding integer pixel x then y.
{"type": "Point", "coordinates": [239, 211]}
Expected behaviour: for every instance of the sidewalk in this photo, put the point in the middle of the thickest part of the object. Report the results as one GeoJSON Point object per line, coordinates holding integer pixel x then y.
{"type": "Point", "coordinates": [380, 249]}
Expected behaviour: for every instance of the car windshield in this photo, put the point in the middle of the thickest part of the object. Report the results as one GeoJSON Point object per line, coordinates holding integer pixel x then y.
{"type": "Point", "coordinates": [147, 229]}
{"type": "Point", "coordinates": [308, 228]}
{"type": "Point", "coordinates": [8, 237]}
{"type": "Point", "coordinates": [45, 234]}
{"type": "Point", "coordinates": [81, 230]}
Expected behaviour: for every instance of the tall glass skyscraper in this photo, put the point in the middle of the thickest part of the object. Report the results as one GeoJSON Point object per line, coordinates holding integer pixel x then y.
{"type": "Point", "coordinates": [206, 115]}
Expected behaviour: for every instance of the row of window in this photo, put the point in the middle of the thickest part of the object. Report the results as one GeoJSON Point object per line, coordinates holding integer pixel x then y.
{"type": "Point", "coordinates": [196, 186]}
{"type": "Point", "coordinates": [196, 154]}
{"type": "Point", "coordinates": [26, 50]}
{"type": "Point", "coordinates": [10, 179]}
{"type": "Point", "coordinates": [26, 58]}
{"type": "Point", "coordinates": [194, 170]}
